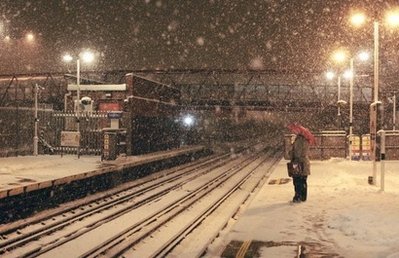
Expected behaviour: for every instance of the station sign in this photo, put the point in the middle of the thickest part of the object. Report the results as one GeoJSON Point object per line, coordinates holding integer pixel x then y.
{"type": "Point", "coordinates": [114, 114]}
{"type": "Point", "coordinates": [70, 139]}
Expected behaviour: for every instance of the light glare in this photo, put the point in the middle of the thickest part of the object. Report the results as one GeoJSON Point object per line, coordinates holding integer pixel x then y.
{"type": "Point", "coordinates": [339, 56]}
{"type": "Point", "coordinates": [87, 57]}
{"type": "Point", "coordinates": [188, 120]}
{"type": "Point", "coordinates": [67, 58]}
{"type": "Point", "coordinates": [392, 18]}
{"type": "Point", "coordinates": [358, 19]}
{"type": "Point", "coordinates": [348, 74]}
{"type": "Point", "coordinates": [330, 75]}
{"type": "Point", "coordinates": [30, 37]}
{"type": "Point", "coordinates": [364, 56]}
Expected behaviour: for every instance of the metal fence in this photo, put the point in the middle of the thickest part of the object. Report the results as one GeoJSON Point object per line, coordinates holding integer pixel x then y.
{"type": "Point", "coordinates": [17, 131]}
{"type": "Point", "coordinates": [391, 145]}
{"type": "Point", "coordinates": [90, 126]}
{"type": "Point", "coordinates": [329, 144]}
{"type": "Point", "coordinates": [335, 144]}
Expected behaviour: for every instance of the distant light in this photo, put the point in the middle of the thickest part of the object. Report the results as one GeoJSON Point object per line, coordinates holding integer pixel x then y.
{"type": "Point", "coordinates": [364, 56]}
{"type": "Point", "coordinates": [348, 74]}
{"type": "Point", "coordinates": [339, 56]}
{"type": "Point", "coordinates": [30, 37]}
{"type": "Point", "coordinates": [7, 38]}
{"type": "Point", "coordinates": [67, 58]}
{"type": "Point", "coordinates": [358, 19]}
{"type": "Point", "coordinates": [87, 56]}
{"type": "Point", "coordinates": [188, 120]}
{"type": "Point", "coordinates": [392, 18]}
{"type": "Point", "coordinates": [330, 75]}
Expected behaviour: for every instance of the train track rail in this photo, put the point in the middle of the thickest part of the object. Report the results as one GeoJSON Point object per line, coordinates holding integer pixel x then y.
{"type": "Point", "coordinates": [113, 225]}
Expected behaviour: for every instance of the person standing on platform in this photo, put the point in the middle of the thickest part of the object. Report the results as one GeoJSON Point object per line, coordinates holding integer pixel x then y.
{"type": "Point", "coordinates": [300, 153]}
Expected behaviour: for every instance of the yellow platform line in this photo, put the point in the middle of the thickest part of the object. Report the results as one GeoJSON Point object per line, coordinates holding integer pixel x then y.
{"type": "Point", "coordinates": [243, 249]}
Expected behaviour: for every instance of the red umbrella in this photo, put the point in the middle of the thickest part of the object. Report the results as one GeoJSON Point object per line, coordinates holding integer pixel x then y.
{"type": "Point", "coordinates": [299, 129]}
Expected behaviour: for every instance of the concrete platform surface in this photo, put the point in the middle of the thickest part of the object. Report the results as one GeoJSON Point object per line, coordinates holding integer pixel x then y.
{"type": "Point", "coordinates": [344, 216]}
{"type": "Point", "coordinates": [28, 173]}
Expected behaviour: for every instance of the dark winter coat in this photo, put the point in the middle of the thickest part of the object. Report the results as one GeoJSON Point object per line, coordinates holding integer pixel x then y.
{"type": "Point", "coordinates": [300, 152]}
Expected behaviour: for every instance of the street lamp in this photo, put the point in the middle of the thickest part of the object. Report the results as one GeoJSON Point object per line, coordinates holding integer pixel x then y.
{"type": "Point", "coordinates": [30, 37]}
{"type": "Point", "coordinates": [330, 76]}
{"type": "Point", "coordinates": [362, 56]}
{"type": "Point", "coordinates": [36, 137]}
{"type": "Point", "coordinates": [339, 57]}
{"type": "Point", "coordinates": [358, 19]}
{"type": "Point", "coordinates": [87, 57]}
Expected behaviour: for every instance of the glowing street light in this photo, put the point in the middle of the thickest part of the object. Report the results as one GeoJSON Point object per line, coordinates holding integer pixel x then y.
{"type": "Point", "coordinates": [392, 19]}
{"type": "Point", "coordinates": [330, 75]}
{"type": "Point", "coordinates": [348, 74]}
{"type": "Point", "coordinates": [67, 58]}
{"type": "Point", "coordinates": [358, 19]}
{"type": "Point", "coordinates": [362, 56]}
{"type": "Point", "coordinates": [30, 37]}
{"type": "Point", "coordinates": [188, 120]}
{"type": "Point", "coordinates": [87, 57]}
{"type": "Point", "coordinates": [339, 56]}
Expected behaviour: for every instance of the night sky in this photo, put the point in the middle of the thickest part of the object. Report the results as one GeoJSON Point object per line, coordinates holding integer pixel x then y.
{"type": "Point", "coordinates": [148, 34]}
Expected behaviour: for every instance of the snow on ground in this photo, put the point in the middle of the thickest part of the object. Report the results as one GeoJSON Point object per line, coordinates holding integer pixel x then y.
{"type": "Point", "coordinates": [344, 214]}
{"type": "Point", "coordinates": [24, 170]}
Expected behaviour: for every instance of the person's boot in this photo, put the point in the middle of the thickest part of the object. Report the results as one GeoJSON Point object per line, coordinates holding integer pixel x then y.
{"type": "Point", "coordinates": [296, 199]}
{"type": "Point", "coordinates": [304, 193]}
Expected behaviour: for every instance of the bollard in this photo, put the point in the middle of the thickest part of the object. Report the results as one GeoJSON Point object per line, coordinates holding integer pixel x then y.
{"type": "Point", "coordinates": [371, 180]}
{"type": "Point", "coordinates": [382, 158]}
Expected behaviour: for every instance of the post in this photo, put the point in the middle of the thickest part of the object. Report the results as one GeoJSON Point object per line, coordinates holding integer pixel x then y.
{"type": "Point", "coordinates": [376, 60]}
{"type": "Point", "coordinates": [394, 112]}
{"type": "Point", "coordinates": [338, 102]}
{"type": "Point", "coordinates": [351, 108]}
{"type": "Point", "coordinates": [373, 117]}
{"type": "Point", "coordinates": [35, 137]}
{"type": "Point", "coordinates": [382, 147]}
{"type": "Point", "coordinates": [78, 101]}
{"type": "Point", "coordinates": [339, 94]}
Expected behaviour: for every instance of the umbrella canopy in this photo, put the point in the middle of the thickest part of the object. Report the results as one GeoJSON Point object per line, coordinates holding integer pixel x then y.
{"type": "Point", "coordinates": [299, 129]}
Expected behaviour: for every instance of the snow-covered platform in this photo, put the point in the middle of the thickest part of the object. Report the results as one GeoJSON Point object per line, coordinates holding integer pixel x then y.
{"type": "Point", "coordinates": [344, 215]}
{"type": "Point", "coordinates": [24, 174]}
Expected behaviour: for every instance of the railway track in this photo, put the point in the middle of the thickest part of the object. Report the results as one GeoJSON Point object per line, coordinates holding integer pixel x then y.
{"type": "Point", "coordinates": [125, 222]}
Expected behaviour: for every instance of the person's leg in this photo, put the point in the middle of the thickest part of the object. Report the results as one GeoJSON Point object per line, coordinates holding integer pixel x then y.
{"type": "Point", "coordinates": [304, 188]}
{"type": "Point", "coordinates": [297, 186]}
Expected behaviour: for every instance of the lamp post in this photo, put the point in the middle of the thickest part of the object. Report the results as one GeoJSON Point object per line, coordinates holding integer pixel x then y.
{"type": "Point", "coordinates": [363, 56]}
{"type": "Point", "coordinates": [339, 96]}
{"type": "Point", "coordinates": [350, 107]}
{"type": "Point", "coordinates": [373, 115]}
{"type": "Point", "coordinates": [87, 57]}
{"type": "Point", "coordinates": [358, 19]}
{"type": "Point", "coordinates": [339, 57]}
{"type": "Point", "coordinates": [330, 75]}
{"type": "Point", "coordinates": [35, 137]}
{"type": "Point", "coordinates": [394, 112]}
